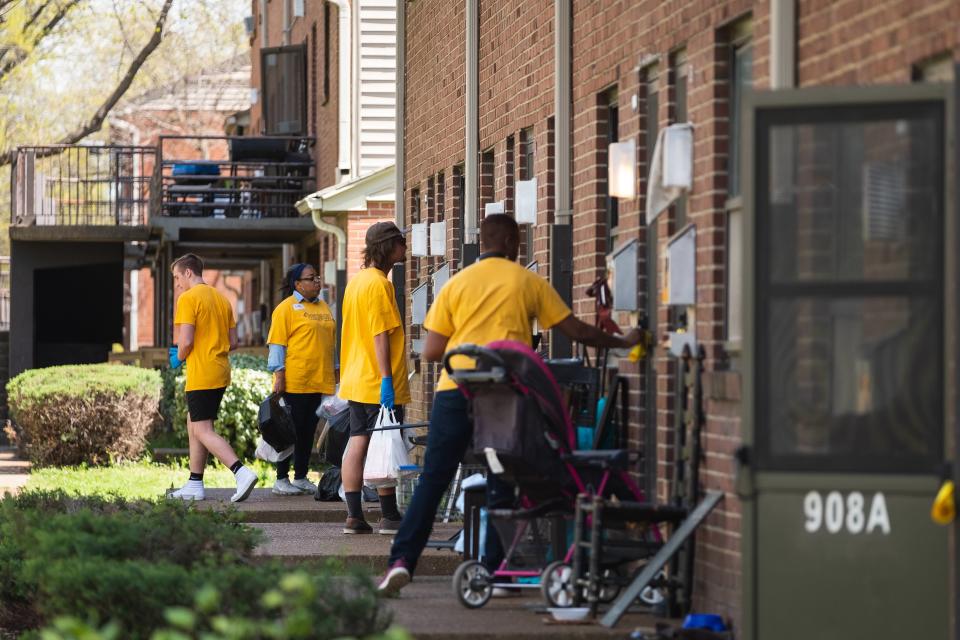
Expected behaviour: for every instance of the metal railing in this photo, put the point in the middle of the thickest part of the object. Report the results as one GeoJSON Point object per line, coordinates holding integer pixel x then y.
{"type": "Point", "coordinates": [81, 185]}
{"type": "Point", "coordinates": [259, 177]}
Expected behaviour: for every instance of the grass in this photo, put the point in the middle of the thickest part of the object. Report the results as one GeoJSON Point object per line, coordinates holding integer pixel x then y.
{"type": "Point", "coordinates": [137, 480]}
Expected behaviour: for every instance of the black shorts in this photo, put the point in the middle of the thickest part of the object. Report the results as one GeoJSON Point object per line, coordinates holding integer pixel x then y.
{"type": "Point", "coordinates": [204, 404]}
{"type": "Point", "coordinates": [363, 417]}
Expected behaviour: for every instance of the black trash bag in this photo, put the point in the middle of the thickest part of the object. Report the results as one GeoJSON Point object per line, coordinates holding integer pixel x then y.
{"type": "Point", "coordinates": [328, 486]}
{"type": "Point", "coordinates": [328, 489]}
{"type": "Point", "coordinates": [276, 423]}
{"type": "Point", "coordinates": [337, 438]}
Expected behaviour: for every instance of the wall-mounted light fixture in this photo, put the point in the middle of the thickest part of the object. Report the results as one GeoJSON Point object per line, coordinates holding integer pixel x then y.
{"type": "Point", "coordinates": [622, 168]}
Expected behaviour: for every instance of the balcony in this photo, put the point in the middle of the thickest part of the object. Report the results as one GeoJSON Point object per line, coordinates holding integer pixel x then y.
{"type": "Point", "coordinates": [211, 177]}
{"type": "Point", "coordinates": [104, 185]}
{"type": "Point", "coordinates": [248, 178]}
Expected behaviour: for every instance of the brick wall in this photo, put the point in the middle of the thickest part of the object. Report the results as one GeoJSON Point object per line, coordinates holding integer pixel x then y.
{"type": "Point", "coordinates": [631, 47]}
{"type": "Point", "coordinates": [357, 224]}
{"type": "Point", "coordinates": [312, 31]}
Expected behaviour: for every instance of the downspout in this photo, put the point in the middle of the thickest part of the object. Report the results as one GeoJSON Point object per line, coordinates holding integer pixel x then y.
{"type": "Point", "coordinates": [562, 98]}
{"type": "Point", "coordinates": [398, 152]}
{"type": "Point", "coordinates": [344, 86]}
{"type": "Point", "coordinates": [471, 163]}
{"type": "Point", "coordinates": [561, 231]}
{"type": "Point", "coordinates": [341, 276]}
{"type": "Point", "coordinates": [338, 233]}
{"type": "Point", "coordinates": [400, 112]}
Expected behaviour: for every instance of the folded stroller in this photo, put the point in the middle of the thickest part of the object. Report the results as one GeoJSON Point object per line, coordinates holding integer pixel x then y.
{"type": "Point", "coordinates": [523, 431]}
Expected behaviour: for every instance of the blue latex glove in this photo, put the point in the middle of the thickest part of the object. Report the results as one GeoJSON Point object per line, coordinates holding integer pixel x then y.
{"type": "Point", "coordinates": [175, 362]}
{"type": "Point", "coordinates": [386, 392]}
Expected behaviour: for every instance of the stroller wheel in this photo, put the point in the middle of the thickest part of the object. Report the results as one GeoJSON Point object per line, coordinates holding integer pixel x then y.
{"type": "Point", "coordinates": [556, 584]}
{"type": "Point", "coordinates": [610, 587]}
{"type": "Point", "coordinates": [472, 584]}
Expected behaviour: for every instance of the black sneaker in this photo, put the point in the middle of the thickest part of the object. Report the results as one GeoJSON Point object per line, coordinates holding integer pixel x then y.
{"type": "Point", "coordinates": [357, 525]}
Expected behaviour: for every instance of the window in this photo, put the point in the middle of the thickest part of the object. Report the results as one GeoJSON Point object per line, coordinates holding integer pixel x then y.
{"type": "Point", "coordinates": [739, 60]}
{"type": "Point", "coordinates": [326, 54]}
{"type": "Point", "coordinates": [679, 70]}
{"type": "Point", "coordinates": [650, 130]}
{"type": "Point", "coordinates": [283, 78]}
{"type": "Point", "coordinates": [849, 307]}
{"type": "Point", "coordinates": [528, 148]}
{"type": "Point", "coordinates": [313, 79]}
{"type": "Point", "coordinates": [441, 197]}
{"type": "Point", "coordinates": [741, 79]}
{"type": "Point", "coordinates": [609, 124]}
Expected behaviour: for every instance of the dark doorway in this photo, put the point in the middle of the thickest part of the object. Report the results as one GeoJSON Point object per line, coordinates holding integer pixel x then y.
{"type": "Point", "coordinates": [78, 313]}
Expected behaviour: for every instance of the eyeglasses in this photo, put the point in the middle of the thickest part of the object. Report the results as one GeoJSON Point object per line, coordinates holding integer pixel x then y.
{"type": "Point", "coordinates": [313, 279]}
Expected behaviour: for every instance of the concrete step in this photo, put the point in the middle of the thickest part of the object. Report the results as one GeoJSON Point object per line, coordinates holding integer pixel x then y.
{"type": "Point", "coordinates": [263, 506]}
{"type": "Point", "coordinates": [300, 543]}
{"type": "Point", "coordinates": [10, 464]}
{"type": "Point", "coordinates": [428, 608]}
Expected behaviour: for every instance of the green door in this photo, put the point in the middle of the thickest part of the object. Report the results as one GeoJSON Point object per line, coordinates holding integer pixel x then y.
{"type": "Point", "coordinates": [845, 360]}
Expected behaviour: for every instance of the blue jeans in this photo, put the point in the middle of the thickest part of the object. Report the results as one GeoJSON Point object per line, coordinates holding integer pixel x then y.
{"type": "Point", "coordinates": [448, 439]}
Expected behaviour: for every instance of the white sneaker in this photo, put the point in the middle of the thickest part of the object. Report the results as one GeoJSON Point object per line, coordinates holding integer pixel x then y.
{"type": "Point", "coordinates": [246, 481]}
{"type": "Point", "coordinates": [304, 485]}
{"type": "Point", "coordinates": [193, 490]}
{"type": "Point", "coordinates": [282, 487]}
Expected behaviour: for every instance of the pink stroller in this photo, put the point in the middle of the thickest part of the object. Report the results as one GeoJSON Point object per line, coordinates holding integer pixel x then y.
{"type": "Point", "coordinates": [523, 431]}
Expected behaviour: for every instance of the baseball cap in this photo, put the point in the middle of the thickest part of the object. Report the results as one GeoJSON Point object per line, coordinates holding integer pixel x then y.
{"type": "Point", "coordinates": [383, 231]}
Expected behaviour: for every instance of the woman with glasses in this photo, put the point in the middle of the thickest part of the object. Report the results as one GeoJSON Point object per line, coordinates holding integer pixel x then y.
{"type": "Point", "coordinates": [301, 342]}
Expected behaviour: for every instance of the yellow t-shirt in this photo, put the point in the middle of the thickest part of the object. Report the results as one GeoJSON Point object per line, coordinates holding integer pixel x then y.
{"type": "Point", "coordinates": [370, 308]}
{"type": "Point", "coordinates": [211, 314]}
{"type": "Point", "coordinates": [307, 330]}
{"type": "Point", "coordinates": [493, 299]}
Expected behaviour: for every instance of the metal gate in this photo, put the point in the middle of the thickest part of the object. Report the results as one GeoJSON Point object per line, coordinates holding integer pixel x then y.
{"type": "Point", "coordinates": [847, 391]}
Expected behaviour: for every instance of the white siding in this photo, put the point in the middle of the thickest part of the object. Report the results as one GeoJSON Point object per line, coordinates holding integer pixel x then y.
{"type": "Point", "coordinates": [377, 99]}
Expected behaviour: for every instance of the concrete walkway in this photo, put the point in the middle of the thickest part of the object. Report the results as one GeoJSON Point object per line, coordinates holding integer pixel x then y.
{"type": "Point", "coordinates": [301, 531]}
{"type": "Point", "coordinates": [13, 471]}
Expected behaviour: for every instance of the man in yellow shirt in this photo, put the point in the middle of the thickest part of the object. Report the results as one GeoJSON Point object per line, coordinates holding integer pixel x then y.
{"type": "Point", "coordinates": [493, 299]}
{"type": "Point", "coordinates": [301, 341]}
{"type": "Point", "coordinates": [206, 332]}
{"type": "Point", "coordinates": [373, 367]}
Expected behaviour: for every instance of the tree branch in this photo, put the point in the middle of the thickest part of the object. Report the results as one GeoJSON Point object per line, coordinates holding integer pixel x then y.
{"type": "Point", "coordinates": [20, 53]}
{"type": "Point", "coordinates": [96, 122]}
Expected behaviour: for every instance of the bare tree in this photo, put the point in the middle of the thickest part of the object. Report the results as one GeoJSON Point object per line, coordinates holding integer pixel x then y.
{"type": "Point", "coordinates": [40, 25]}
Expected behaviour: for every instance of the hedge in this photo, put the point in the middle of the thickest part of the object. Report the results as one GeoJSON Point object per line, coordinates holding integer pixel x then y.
{"type": "Point", "coordinates": [103, 560]}
{"type": "Point", "coordinates": [93, 413]}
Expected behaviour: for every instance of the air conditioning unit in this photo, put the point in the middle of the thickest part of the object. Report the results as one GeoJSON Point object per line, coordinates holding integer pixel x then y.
{"type": "Point", "coordinates": [249, 25]}
{"type": "Point", "coordinates": [298, 8]}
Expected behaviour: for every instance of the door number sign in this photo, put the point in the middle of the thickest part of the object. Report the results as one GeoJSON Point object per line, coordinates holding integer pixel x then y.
{"type": "Point", "coordinates": [836, 513]}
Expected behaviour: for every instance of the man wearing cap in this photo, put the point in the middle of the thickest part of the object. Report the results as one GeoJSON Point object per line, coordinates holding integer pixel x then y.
{"type": "Point", "coordinates": [492, 299]}
{"type": "Point", "coordinates": [373, 368]}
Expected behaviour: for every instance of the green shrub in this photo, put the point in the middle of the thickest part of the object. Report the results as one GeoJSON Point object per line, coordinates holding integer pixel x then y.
{"type": "Point", "coordinates": [298, 605]}
{"type": "Point", "coordinates": [101, 560]}
{"type": "Point", "coordinates": [250, 383]}
{"type": "Point", "coordinates": [93, 413]}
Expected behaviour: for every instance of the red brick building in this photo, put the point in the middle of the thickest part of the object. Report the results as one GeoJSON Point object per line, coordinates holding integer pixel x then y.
{"type": "Point", "coordinates": [326, 70]}
{"type": "Point", "coordinates": [634, 69]}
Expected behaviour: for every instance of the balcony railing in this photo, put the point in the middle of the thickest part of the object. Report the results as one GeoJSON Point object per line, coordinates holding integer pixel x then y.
{"type": "Point", "coordinates": [255, 177]}
{"type": "Point", "coordinates": [81, 185]}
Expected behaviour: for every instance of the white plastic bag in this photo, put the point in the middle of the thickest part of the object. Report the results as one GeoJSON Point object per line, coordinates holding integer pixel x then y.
{"type": "Point", "coordinates": [332, 405]}
{"type": "Point", "coordinates": [386, 453]}
{"type": "Point", "coordinates": [268, 453]}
